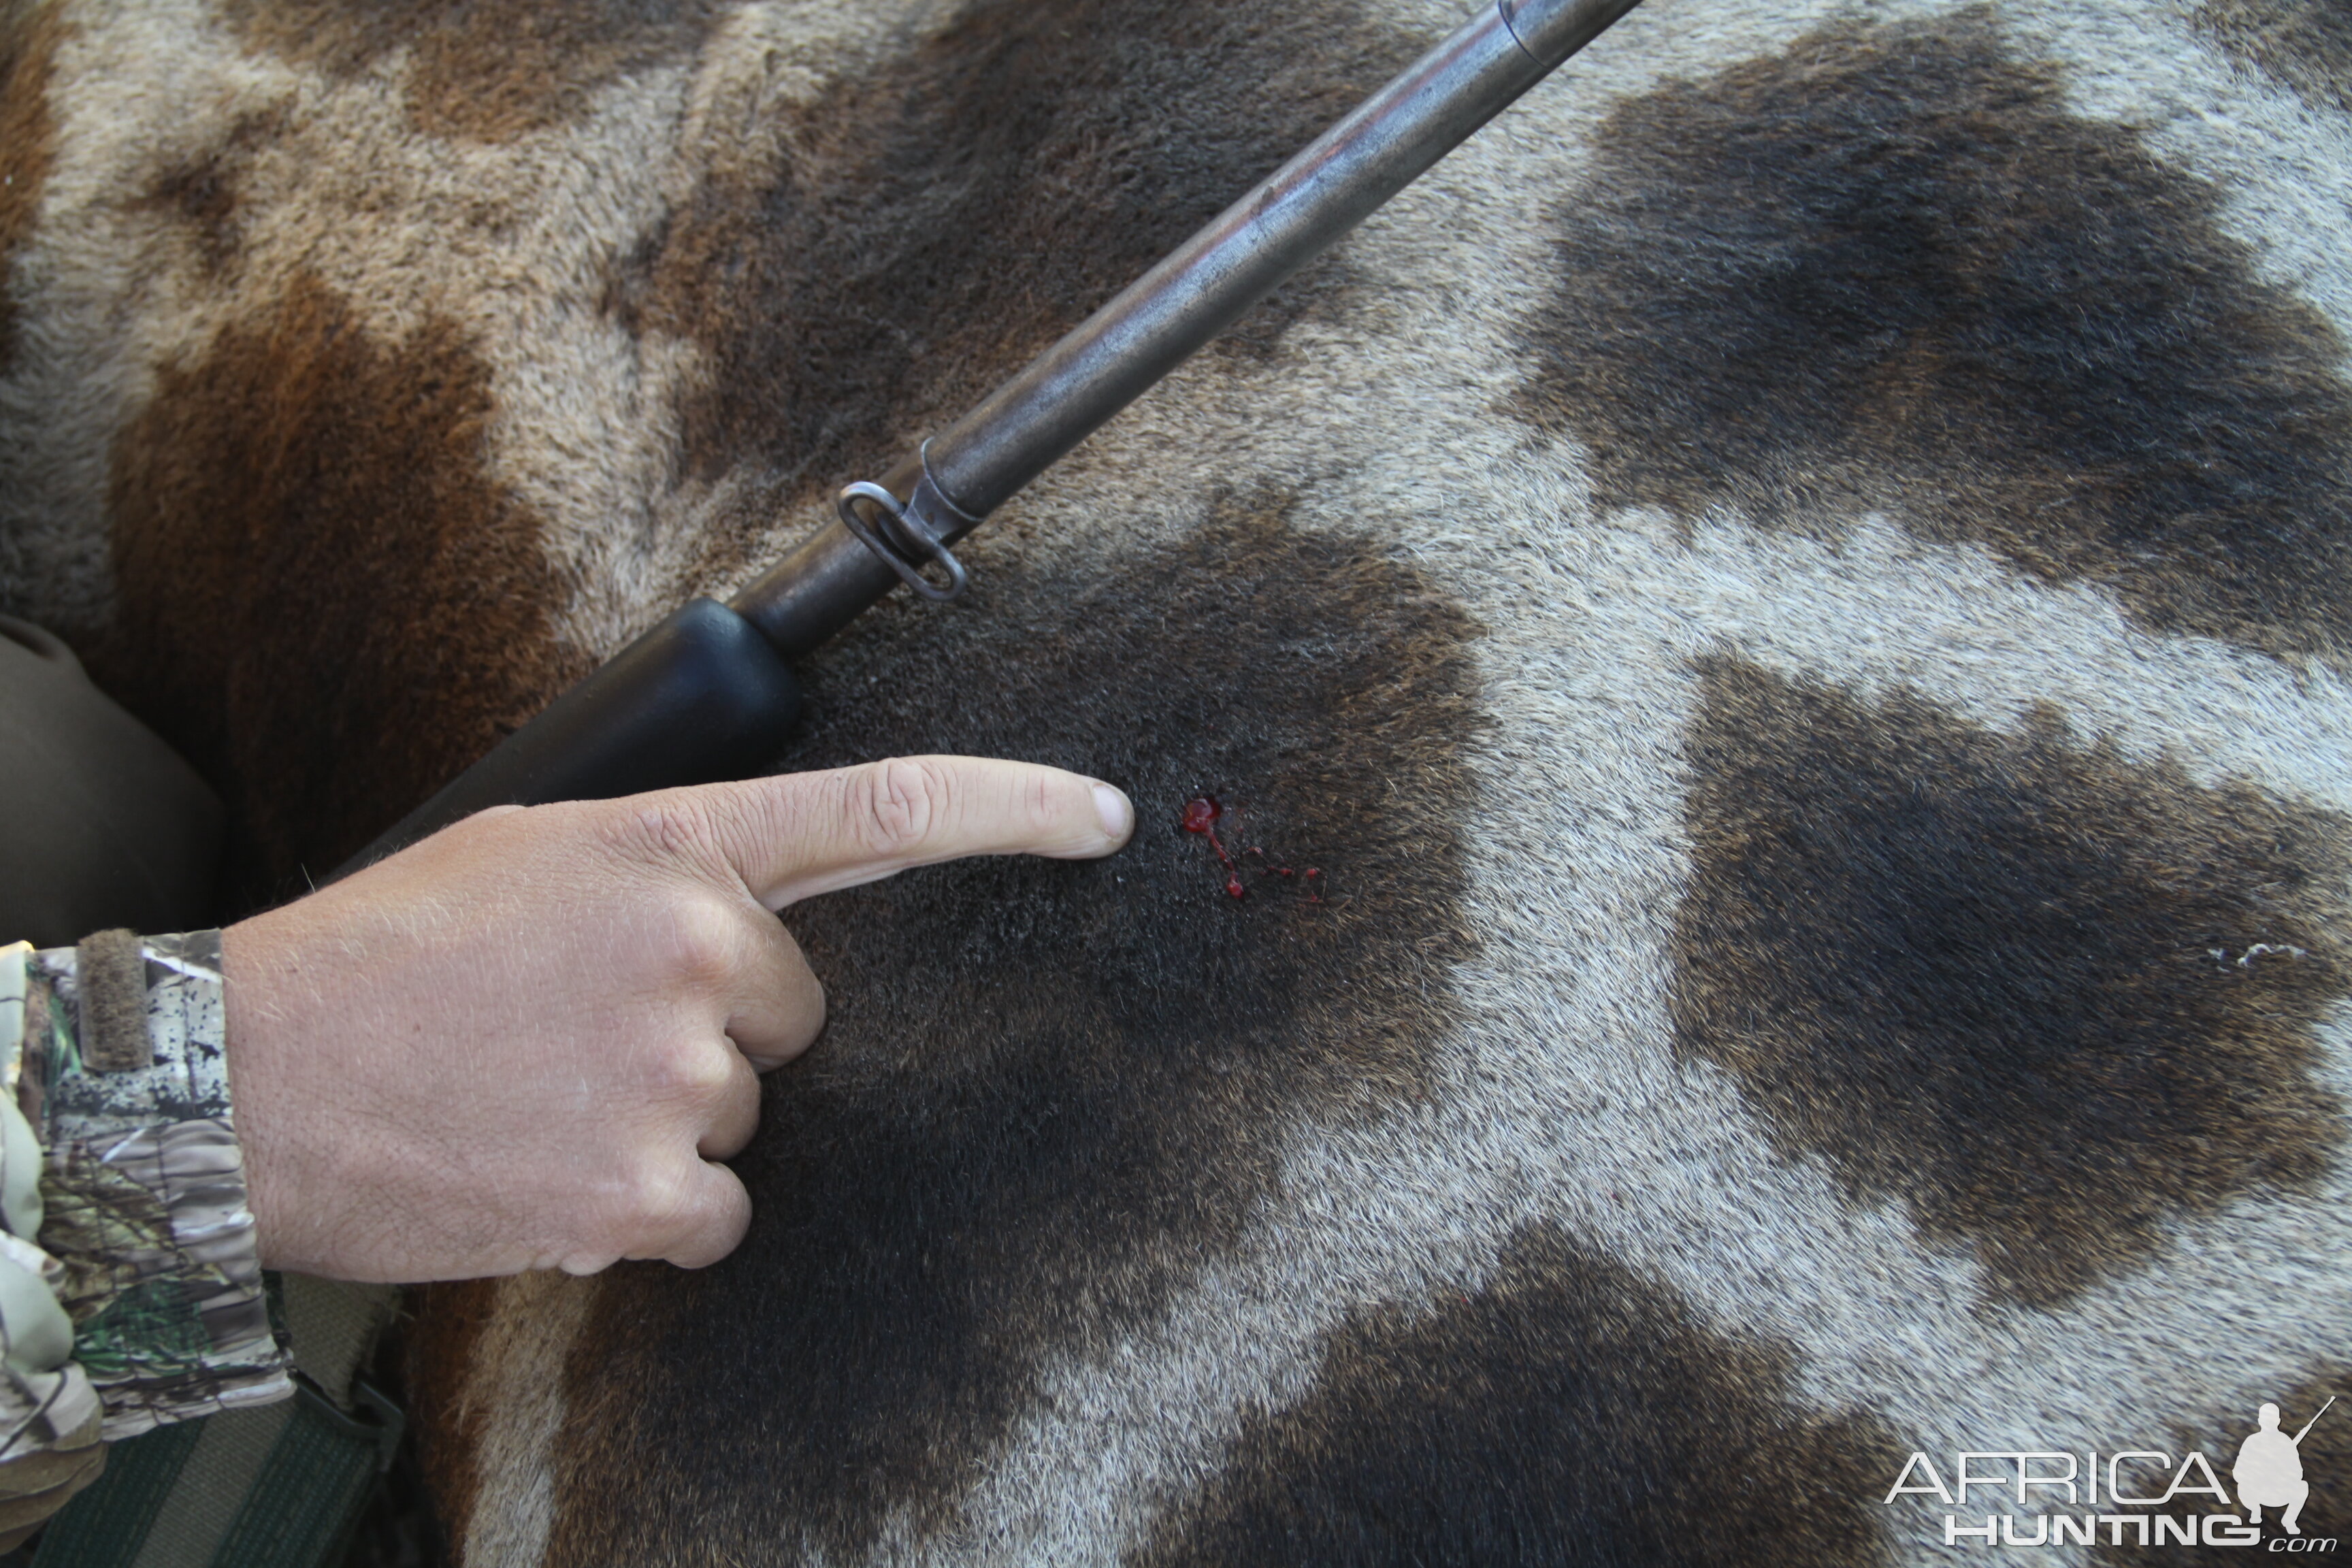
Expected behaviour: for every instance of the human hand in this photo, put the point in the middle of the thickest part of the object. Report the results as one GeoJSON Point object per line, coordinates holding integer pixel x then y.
{"type": "Point", "coordinates": [522, 1042]}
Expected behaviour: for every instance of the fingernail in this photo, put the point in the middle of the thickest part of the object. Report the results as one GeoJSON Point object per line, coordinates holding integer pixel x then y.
{"type": "Point", "coordinates": [1118, 815]}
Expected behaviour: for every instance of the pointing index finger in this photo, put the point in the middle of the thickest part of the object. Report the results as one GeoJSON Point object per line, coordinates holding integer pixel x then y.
{"type": "Point", "coordinates": [800, 834]}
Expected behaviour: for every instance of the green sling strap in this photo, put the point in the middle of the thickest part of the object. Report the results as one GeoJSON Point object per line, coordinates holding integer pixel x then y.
{"type": "Point", "coordinates": [279, 1486]}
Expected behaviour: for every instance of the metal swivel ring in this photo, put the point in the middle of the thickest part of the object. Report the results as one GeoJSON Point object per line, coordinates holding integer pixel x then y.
{"type": "Point", "coordinates": [906, 534]}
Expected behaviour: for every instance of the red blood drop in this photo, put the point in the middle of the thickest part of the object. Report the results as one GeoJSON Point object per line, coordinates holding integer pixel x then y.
{"type": "Point", "coordinates": [1201, 814]}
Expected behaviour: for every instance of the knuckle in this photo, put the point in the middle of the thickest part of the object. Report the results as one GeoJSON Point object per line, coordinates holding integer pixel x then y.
{"type": "Point", "coordinates": [661, 1196]}
{"type": "Point", "coordinates": [695, 1071]}
{"type": "Point", "coordinates": [721, 1216]}
{"type": "Point", "coordinates": [699, 945]}
{"type": "Point", "coordinates": [1041, 804]}
{"type": "Point", "coordinates": [897, 804]}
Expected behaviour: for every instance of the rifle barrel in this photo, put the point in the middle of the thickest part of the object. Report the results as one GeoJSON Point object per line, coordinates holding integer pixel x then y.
{"type": "Point", "coordinates": [1162, 319]}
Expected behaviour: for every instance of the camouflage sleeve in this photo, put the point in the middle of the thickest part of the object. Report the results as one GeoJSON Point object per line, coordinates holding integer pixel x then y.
{"type": "Point", "coordinates": [142, 1217]}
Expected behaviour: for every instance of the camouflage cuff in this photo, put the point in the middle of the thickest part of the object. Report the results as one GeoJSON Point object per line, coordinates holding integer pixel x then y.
{"type": "Point", "coordinates": [121, 1075]}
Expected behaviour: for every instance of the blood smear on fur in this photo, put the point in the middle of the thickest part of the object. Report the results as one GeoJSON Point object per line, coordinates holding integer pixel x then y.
{"type": "Point", "coordinates": [1201, 814]}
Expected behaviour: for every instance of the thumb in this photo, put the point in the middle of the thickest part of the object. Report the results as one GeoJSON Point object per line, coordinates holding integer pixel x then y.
{"type": "Point", "coordinates": [800, 834]}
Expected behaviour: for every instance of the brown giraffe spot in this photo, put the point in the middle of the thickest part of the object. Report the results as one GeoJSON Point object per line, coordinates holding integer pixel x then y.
{"type": "Point", "coordinates": [2306, 45]}
{"type": "Point", "coordinates": [901, 246]}
{"type": "Point", "coordinates": [325, 602]}
{"type": "Point", "coordinates": [1888, 269]}
{"type": "Point", "coordinates": [200, 193]}
{"type": "Point", "coordinates": [2046, 997]}
{"type": "Point", "coordinates": [29, 38]}
{"type": "Point", "coordinates": [482, 72]}
{"type": "Point", "coordinates": [1535, 1421]}
{"type": "Point", "coordinates": [1049, 1092]}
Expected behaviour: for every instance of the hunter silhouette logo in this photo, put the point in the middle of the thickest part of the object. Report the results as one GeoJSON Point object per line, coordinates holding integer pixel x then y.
{"type": "Point", "coordinates": [2075, 1487]}
{"type": "Point", "coordinates": [2269, 1471]}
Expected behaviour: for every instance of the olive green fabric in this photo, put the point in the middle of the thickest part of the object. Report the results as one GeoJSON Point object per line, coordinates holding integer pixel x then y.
{"type": "Point", "coordinates": [139, 1475]}
{"type": "Point", "coordinates": [101, 824]}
